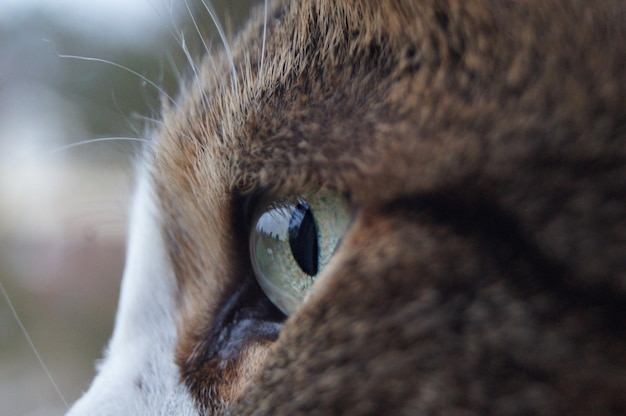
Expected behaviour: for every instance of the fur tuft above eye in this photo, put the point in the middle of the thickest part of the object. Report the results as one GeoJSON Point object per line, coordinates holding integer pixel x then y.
{"type": "Point", "coordinates": [291, 241]}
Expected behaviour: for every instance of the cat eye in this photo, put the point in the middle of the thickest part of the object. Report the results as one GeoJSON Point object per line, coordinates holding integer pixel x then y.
{"type": "Point", "coordinates": [291, 241]}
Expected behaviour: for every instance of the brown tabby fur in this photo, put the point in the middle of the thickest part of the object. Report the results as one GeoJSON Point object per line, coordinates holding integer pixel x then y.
{"type": "Point", "coordinates": [482, 145]}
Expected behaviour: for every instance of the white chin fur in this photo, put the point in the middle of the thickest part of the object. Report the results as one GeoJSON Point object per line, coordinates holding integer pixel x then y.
{"type": "Point", "coordinates": [138, 375]}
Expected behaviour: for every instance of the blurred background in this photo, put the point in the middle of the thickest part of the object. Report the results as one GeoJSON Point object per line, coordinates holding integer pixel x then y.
{"type": "Point", "coordinates": [63, 204]}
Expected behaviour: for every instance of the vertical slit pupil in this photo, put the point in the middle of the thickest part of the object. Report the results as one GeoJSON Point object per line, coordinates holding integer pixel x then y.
{"type": "Point", "coordinates": [303, 239]}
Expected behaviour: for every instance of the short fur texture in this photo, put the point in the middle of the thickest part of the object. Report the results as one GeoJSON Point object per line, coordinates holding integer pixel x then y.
{"type": "Point", "coordinates": [482, 145]}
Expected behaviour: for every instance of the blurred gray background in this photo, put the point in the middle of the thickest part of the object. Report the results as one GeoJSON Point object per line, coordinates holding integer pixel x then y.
{"type": "Point", "coordinates": [62, 207]}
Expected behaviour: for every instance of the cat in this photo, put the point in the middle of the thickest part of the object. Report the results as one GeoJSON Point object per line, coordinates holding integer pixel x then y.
{"type": "Point", "coordinates": [384, 207]}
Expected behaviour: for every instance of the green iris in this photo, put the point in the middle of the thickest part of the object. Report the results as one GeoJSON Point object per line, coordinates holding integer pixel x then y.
{"type": "Point", "coordinates": [292, 240]}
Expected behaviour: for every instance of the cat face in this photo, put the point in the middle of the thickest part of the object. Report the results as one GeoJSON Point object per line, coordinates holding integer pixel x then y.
{"type": "Point", "coordinates": [380, 208]}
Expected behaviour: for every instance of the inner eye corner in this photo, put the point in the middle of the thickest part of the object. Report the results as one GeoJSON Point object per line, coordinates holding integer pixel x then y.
{"type": "Point", "coordinates": [245, 203]}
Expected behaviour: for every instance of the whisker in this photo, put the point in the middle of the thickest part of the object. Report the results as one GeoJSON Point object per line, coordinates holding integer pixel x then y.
{"type": "Point", "coordinates": [32, 345]}
{"type": "Point", "coordinates": [173, 65]}
{"type": "Point", "coordinates": [124, 116]}
{"type": "Point", "coordinates": [206, 49]}
{"type": "Point", "coordinates": [195, 24]}
{"type": "Point", "coordinates": [263, 43]}
{"type": "Point", "coordinates": [105, 61]}
{"type": "Point", "coordinates": [97, 140]}
{"type": "Point", "coordinates": [179, 37]}
{"type": "Point", "coordinates": [209, 8]}
{"type": "Point", "coordinates": [196, 76]}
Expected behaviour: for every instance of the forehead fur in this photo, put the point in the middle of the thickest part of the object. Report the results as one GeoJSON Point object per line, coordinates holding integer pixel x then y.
{"type": "Point", "coordinates": [344, 81]}
{"type": "Point", "coordinates": [388, 100]}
